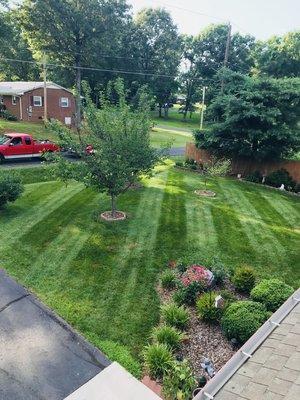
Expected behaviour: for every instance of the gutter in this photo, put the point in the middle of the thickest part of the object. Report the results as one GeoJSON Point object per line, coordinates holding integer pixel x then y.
{"type": "Point", "coordinates": [247, 350]}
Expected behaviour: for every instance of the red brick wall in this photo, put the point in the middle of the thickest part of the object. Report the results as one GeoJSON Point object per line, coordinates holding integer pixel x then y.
{"type": "Point", "coordinates": [244, 166]}
{"type": "Point", "coordinates": [54, 108]}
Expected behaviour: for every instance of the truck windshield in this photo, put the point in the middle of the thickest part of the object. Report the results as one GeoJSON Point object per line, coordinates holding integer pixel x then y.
{"type": "Point", "coordinates": [3, 139]}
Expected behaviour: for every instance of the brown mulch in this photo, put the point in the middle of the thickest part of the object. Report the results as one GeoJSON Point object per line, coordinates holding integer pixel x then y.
{"type": "Point", "coordinates": [204, 340]}
{"type": "Point", "coordinates": [205, 193]}
{"type": "Point", "coordinates": [107, 216]}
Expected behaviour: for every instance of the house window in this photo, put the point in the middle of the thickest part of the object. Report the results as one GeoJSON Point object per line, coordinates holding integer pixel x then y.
{"type": "Point", "coordinates": [64, 102]}
{"type": "Point", "coordinates": [37, 101]}
{"type": "Point", "coordinates": [13, 100]}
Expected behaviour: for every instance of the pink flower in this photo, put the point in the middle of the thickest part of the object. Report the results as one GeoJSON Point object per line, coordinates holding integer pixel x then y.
{"type": "Point", "coordinates": [195, 273]}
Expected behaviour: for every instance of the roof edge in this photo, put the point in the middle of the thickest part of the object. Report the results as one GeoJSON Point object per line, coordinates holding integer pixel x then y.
{"type": "Point", "coordinates": [245, 352]}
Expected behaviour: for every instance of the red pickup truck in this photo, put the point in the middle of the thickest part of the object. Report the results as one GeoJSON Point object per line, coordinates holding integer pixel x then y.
{"type": "Point", "coordinates": [22, 145]}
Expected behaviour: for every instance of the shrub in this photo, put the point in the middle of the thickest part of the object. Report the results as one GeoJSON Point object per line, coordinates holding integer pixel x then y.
{"type": "Point", "coordinates": [188, 295]}
{"type": "Point", "coordinates": [297, 188]}
{"type": "Point", "coordinates": [10, 189]}
{"type": "Point", "coordinates": [180, 382]}
{"type": "Point", "coordinates": [168, 335]}
{"type": "Point", "coordinates": [168, 280]}
{"type": "Point", "coordinates": [179, 164]}
{"type": "Point", "coordinates": [242, 319]}
{"type": "Point", "coordinates": [254, 177]}
{"type": "Point", "coordinates": [272, 293]}
{"type": "Point", "coordinates": [244, 279]}
{"type": "Point", "coordinates": [219, 271]}
{"type": "Point", "coordinates": [7, 115]}
{"type": "Point", "coordinates": [206, 308]}
{"type": "Point", "coordinates": [117, 352]}
{"type": "Point", "coordinates": [279, 177]}
{"type": "Point", "coordinates": [158, 360]}
{"type": "Point", "coordinates": [176, 316]}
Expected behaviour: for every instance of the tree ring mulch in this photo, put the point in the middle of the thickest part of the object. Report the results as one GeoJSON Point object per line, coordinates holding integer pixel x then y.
{"type": "Point", "coordinates": [119, 216]}
{"type": "Point", "coordinates": [205, 193]}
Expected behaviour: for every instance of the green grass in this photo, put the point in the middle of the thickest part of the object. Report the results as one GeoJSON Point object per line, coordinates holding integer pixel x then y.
{"type": "Point", "coordinates": [161, 137]}
{"type": "Point", "coordinates": [101, 277]}
{"type": "Point", "coordinates": [36, 129]}
{"type": "Point", "coordinates": [175, 119]}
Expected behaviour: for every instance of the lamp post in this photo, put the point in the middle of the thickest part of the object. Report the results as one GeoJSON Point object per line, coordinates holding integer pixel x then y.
{"type": "Point", "coordinates": [202, 107]}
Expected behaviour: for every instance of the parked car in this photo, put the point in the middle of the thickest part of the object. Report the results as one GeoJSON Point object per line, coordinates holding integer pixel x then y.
{"type": "Point", "coordinates": [22, 145]}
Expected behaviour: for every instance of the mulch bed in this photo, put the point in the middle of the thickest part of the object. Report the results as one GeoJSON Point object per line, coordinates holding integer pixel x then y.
{"type": "Point", "coordinates": [107, 216]}
{"type": "Point", "coordinates": [205, 193]}
{"type": "Point", "coordinates": [204, 340]}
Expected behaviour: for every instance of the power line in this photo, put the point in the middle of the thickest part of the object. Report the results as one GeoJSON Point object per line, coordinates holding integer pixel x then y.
{"type": "Point", "coordinates": [115, 71]}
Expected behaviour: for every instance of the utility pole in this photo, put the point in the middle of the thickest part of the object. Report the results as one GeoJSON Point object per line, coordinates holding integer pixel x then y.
{"type": "Point", "coordinates": [202, 107]}
{"type": "Point", "coordinates": [45, 88]}
{"type": "Point", "coordinates": [226, 57]}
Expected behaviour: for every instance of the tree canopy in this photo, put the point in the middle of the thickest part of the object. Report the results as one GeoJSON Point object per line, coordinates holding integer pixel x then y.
{"type": "Point", "coordinates": [255, 117]}
{"type": "Point", "coordinates": [120, 141]}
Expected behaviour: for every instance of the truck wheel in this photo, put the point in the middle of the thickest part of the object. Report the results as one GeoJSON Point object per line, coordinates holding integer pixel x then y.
{"type": "Point", "coordinates": [2, 158]}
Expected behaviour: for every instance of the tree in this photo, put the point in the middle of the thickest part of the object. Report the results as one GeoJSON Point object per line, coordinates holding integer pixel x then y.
{"type": "Point", "coordinates": [156, 49]}
{"type": "Point", "coordinates": [255, 118]}
{"type": "Point", "coordinates": [279, 57]}
{"type": "Point", "coordinates": [120, 140]}
{"type": "Point", "coordinates": [13, 46]}
{"type": "Point", "coordinates": [215, 168]}
{"type": "Point", "coordinates": [204, 55]}
{"type": "Point", "coordinates": [72, 32]}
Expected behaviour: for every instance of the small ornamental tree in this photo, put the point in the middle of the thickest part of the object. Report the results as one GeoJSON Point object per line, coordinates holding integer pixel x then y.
{"type": "Point", "coordinates": [114, 145]}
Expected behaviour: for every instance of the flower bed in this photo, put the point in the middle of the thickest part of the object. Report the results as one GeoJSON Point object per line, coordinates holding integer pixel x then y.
{"type": "Point", "coordinates": [206, 315]}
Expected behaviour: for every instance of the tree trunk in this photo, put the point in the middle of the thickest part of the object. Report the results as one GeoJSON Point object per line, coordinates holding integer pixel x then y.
{"type": "Point", "coordinates": [159, 111]}
{"type": "Point", "coordinates": [113, 205]}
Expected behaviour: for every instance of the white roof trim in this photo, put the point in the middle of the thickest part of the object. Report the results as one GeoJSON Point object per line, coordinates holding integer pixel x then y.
{"type": "Point", "coordinates": [20, 87]}
{"type": "Point", "coordinates": [242, 355]}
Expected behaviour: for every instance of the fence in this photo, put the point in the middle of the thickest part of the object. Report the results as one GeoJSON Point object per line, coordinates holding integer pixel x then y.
{"type": "Point", "coordinates": [245, 166]}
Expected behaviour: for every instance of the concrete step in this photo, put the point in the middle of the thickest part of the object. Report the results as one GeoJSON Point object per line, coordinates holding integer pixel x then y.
{"type": "Point", "coordinates": [113, 383]}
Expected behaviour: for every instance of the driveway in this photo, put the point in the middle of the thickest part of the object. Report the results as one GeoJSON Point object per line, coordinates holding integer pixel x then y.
{"type": "Point", "coordinates": [41, 357]}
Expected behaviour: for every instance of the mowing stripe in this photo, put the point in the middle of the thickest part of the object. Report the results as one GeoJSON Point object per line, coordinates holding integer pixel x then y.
{"type": "Point", "coordinates": [35, 215]}
{"type": "Point", "coordinates": [252, 222]}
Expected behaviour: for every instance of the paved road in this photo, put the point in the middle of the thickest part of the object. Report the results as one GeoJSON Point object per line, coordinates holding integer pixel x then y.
{"type": "Point", "coordinates": [41, 357]}
{"type": "Point", "coordinates": [175, 151]}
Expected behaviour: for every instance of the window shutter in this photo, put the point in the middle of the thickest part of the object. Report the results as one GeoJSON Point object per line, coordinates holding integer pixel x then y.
{"type": "Point", "coordinates": [42, 101]}
{"type": "Point", "coordinates": [31, 100]}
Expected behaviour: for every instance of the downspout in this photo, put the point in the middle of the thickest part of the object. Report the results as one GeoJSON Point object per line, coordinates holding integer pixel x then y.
{"type": "Point", "coordinates": [21, 108]}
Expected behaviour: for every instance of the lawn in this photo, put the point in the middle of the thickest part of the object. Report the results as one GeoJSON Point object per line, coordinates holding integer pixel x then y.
{"type": "Point", "coordinates": [159, 137]}
{"type": "Point", "coordinates": [175, 120]}
{"type": "Point", "coordinates": [101, 277]}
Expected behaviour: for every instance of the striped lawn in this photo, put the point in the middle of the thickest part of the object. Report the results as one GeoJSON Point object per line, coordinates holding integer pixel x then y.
{"type": "Point", "coordinates": [101, 277]}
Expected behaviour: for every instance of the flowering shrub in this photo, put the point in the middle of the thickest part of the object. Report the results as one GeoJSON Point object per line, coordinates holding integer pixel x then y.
{"type": "Point", "coordinates": [196, 273]}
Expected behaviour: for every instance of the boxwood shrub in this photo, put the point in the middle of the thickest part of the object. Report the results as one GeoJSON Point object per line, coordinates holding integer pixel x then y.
{"type": "Point", "coordinates": [272, 293]}
{"type": "Point", "coordinates": [244, 279]}
{"type": "Point", "coordinates": [242, 319]}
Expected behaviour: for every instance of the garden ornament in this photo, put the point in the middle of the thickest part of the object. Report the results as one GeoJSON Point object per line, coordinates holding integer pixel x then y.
{"type": "Point", "coordinates": [219, 302]}
{"type": "Point", "coordinates": [208, 367]}
{"type": "Point", "coordinates": [282, 187]}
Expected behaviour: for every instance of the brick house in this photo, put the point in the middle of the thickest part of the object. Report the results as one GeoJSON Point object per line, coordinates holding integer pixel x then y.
{"type": "Point", "coordinates": [25, 100]}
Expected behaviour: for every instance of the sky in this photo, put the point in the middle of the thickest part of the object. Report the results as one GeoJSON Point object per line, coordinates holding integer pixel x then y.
{"type": "Point", "coordinates": [260, 18]}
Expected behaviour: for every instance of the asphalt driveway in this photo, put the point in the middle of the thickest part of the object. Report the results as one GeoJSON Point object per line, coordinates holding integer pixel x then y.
{"type": "Point", "coordinates": [41, 357]}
